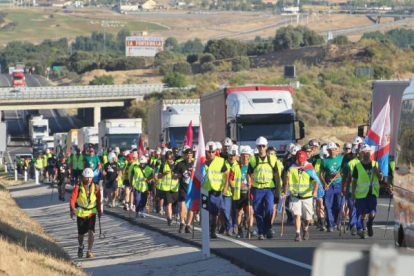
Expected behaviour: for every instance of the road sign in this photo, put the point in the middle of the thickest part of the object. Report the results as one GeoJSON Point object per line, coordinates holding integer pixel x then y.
{"type": "Point", "coordinates": [143, 46]}
{"type": "Point", "coordinates": [57, 68]}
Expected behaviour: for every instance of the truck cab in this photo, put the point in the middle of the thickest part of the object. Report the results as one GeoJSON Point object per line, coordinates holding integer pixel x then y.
{"type": "Point", "coordinates": [18, 78]}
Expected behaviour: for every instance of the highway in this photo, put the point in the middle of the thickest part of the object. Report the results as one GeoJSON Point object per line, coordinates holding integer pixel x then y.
{"type": "Point", "coordinates": [17, 120]}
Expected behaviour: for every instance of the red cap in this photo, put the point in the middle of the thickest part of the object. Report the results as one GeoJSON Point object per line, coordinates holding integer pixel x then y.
{"type": "Point", "coordinates": [130, 157]}
{"type": "Point", "coordinates": [301, 155]}
{"type": "Point", "coordinates": [163, 145]}
{"type": "Point", "coordinates": [92, 150]}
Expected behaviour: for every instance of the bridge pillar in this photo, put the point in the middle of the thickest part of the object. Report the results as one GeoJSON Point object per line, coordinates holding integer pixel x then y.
{"type": "Point", "coordinates": [96, 116]}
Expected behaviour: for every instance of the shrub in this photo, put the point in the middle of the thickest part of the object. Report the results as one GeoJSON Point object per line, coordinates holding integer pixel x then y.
{"type": "Point", "coordinates": [208, 67]}
{"type": "Point", "coordinates": [207, 58]}
{"type": "Point", "coordinates": [175, 79]}
{"type": "Point", "coordinates": [340, 40]}
{"type": "Point", "coordinates": [192, 58]}
{"type": "Point", "coordinates": [183, 68]}
{"type": "Point", "coordinates": [102, 80]}
{"type": "Point", "coordinates": [382, 72]}
{"type": "Point", "coordinates": [240, 63]}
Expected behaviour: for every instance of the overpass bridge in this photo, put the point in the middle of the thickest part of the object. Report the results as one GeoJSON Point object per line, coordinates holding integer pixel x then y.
{"type": "Point", "coordinates": [64, 97]}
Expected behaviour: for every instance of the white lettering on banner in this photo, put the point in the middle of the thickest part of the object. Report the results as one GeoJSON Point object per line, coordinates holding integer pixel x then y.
{"type": "Point", "coordinates": [142, 46]}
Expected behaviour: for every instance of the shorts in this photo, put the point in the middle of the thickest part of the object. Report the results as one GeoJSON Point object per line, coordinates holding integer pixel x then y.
{"type": "Point", "coordinates": [242, 202]}
{"type": "Point", "coordinates": [51, 171]}
{"type": "Point", "coordinates": [127, 183]}
{"type": "Point", "coordinates": [302, 207]}
{"type": "Point", "coordinates": [182, 195]}
{"type": "Point", "coordinates": [167, 196]}
{"type": "Point", "coordinates": [86, 224]}
{"type": "Point", "coordinates": [113, 185]}
{"type": "Point", "coordinates": [366, 205]}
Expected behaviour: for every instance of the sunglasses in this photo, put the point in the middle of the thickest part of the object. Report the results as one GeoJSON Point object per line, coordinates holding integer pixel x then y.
{"type": "Point", "coordinates": [261, 146]}
{"type": "Point", "coordinates": [211, 151]}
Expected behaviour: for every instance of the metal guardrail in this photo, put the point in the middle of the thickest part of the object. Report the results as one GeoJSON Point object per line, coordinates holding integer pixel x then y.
{"type": "Point", "coordinates": [95, 92]}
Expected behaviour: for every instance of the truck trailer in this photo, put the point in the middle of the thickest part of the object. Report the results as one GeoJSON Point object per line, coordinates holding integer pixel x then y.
{"type": "Point", "coordinates": [59, 140]}
{"type": "Point", "coordinates": [72, 140]}
{"type": "Point", "coordinates": [122, 133]}
{"type": "Point", "coordinates": [247, 112]}
{"type": "Point", "coordinates": [38, 128]}
{"type": "Point", "coordinates": [88, 136]}
{"type": "Point", "coordinates": [170, 118]}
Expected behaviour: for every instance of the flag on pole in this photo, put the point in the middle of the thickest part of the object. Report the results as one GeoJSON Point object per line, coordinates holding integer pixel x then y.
{"type": "Point", "coordinates": [188, 140]}
{"type": "Point", "coordinates": [140, 146]}
{"type": "Point", "coordinates": [378, 137]}
{"type": "Point", "coordinates": [197, 175]}
{"type": "Point", "coordinates": [173, 143]}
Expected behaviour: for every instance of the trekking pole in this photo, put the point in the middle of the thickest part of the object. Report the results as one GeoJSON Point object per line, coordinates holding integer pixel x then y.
{"type": "Point", "coordinates": [176, 217]}
{"type": "Point", "coordinates": [249, 233]}
{"type": "Point", "coordinates": [341, 215]}
{"type": "Point", "coordinates": [388, 216]}
{"type": "Point", "coordinates": [283, 216]}
{"type": "Point", "coordinates": [101, 235]}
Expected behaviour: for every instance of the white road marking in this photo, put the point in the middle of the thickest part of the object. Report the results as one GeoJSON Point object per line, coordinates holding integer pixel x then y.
{"type": "Point", "coordinates": [252, 247]}
{"type": "Point", "coordinates": [385, 205]}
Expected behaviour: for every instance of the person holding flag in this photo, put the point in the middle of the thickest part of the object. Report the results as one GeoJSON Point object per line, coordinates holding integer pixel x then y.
{"type": "Point", "coordinates": [302, 181]}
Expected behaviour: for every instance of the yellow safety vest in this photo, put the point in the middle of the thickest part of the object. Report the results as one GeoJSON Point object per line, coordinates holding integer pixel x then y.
{"type": "Point", "coordinates": [45, 157]}
{"type": "Point", "coordinates": [214, 177]}
{"type": "Point", "coordinates": [228, 192]}
{"type": "Point", "coordinates": [318, 166]}
{"type": "Point", "coordinates": [300, 185]}
{"type": "Point", "coordinates": [77, 162]}
{"type": "Point", "coordinates": [392, 165]}
{"type": "Point", "coordinates": [105, 159]}
{"type": "Point", "coordinates": [85, 206]}
{"type": "Point", "coordinates": [137, 182]}
{"type": "Point", "coordinates": [235, 168]}
{"type": "Point", "coordinates": [364, 181]}
{"type": "Point", "coordinates": [39, 164]}
{"type": "Point", "coordinates": [167, 183]}
{"type": "Point", "coordinates": [263, 172]}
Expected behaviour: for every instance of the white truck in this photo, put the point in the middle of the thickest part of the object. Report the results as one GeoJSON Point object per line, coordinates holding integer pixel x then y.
{"type": "Point", "coordinates": [38, 128]}
{"type": "Point", "coordinates": [3, 140]}
{"type": "Point", "coordinates": [122, 133]}
{"type": "Point", "coordinates": [247, 112]}
{"type": "Point", "coordinates": [168, 118]}
{"type": "Point", "coordinates": [88, 136]}
{"type": "Point", "coordinates": [60, 143]}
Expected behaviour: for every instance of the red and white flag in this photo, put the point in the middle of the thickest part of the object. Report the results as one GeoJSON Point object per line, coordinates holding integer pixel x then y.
{"type": "Point", "coordinates": [188, 139]}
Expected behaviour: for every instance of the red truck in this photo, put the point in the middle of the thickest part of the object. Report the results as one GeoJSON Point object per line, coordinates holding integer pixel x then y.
{"type": "Point", "coordinates": [18, 78]}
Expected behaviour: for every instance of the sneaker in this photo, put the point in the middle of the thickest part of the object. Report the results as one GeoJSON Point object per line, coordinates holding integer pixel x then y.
{"type": "Point", "coordinates": [169, 222]}
{"type": "Point", "coordinates": [353, 231]}
{"type": "Point", "coordinates": [330, 229]}
{"type": "Point", "coordinates": [261, 237]}
{"type": "Point", "coordinates": [221, 231]}
{"type": "Point", "coordinates": [80, 251]}
{"type": "Point", "coordinates": [370, 229]}
{"type": "Point", "coordinates": [188, 229]}
{"type": "Point", "coordinates": [228, 233]}
{"type": "Point", "coordinates": [240, 234]}
{"type": "Point", "coordinates": [305, 235]}
{"type": "Point", "coordinates": [364, 234]}
{"type": "Point", "coordinates": [269, 234]}
{"type": "Point", "coordinates": [126, 207]}
{"type": "Point", "coordinates": [182, 227]}
{"type": "Point", "coordinates": [110, 205]}
{"type": "Point", "coordinates": [89, 255]}
{"type": "Point", "coordinates": [298, 238]}
{"type": "Point", "coordinates": [254, 234]}
{"type": "Point", "coordinates": [143, 215]}
{"type": "Point", "coordinates": [133, 208]}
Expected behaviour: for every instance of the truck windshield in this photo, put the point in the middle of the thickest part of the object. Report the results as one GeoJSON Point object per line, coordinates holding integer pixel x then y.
{"type": "Point", "coordinates": [250, 132]}
{"type": "Point", "coordinates": [125, 141]}
{"type": "Point", "coordinates": [18, 78]}
{"type": "Point", "coordinates": [39, 129]}
{"type": "Point", "coordinates": [180, 132]}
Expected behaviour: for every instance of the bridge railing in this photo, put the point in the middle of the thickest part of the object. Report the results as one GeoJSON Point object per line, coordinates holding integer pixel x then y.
{"type": "Point", "coordinates": [78, 92]}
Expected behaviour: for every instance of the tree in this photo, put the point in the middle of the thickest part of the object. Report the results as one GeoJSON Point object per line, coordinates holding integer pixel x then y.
{"type": "Point", "coordinates": [183, 68]}
{"type": "Point", "coordinates": [340, 40]}
{"type": "Point", "coordinates": [171, 44]}
{"type": "Point", "coordinates": [240, 63]}
{"type": "Point", "coordinates": [207, 58]}
{"type": "Point", "coordinates": [208, 67]}
{"type": "Point", "coordinates": [175, 79]}
{"type": "Point", "coordinates": [102, 80]}
{"type": "Point", "coordinates": [192, 58]}
{"type": "Point", "coordinates": [287, 38]}
{"type": "Point", "coordinates": [226, 48]}
{"type": "Point", "coordinates": [121, 37]}
{"type": "Point", "coordinates": [192, 47]}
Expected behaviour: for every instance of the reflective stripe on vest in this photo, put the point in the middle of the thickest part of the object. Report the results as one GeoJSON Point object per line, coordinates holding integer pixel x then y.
{"type": "Point", "coordinates": [263, 172]}
{"type": "Point", "coordinates": [364, 181]}
{"type": "Point", "coordinates": [137, 182]}
{"type": "Point", "coordinates": [167, 183]}
{"type": "Point", "coordinates": [85, 207]}
{"type": "Point", "coordinates": [214, 177]}
{"type": "Point", "coordinates": [300, 185]}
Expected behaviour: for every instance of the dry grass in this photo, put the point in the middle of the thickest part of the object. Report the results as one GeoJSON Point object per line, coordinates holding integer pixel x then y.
{"type": "Point", "coordinates": [25, 248]}
{"type": "Point", "coordinates": [121, 77]}
{"type": "Point", "coordinates": [324, 134]}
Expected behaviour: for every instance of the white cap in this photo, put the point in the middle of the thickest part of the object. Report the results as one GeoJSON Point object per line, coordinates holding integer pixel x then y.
{"type": "Point", "coordinates": [158, 151]}
{"type": "Point", "coordinates": [135, 154]}
{"type": "Point", "coordinates": [227, 142]}
{"type": "Point", "coordinates": [143, 160]}
{"type": "Point", "coordinates": [111, 156]}
{"type": "Point", "coordinates": [234, 150]}
{"type": "Point", "coordinates": [366, 147]}
{"type": "Point", "coordinates": [88, 172]}
{"type": "Point", "coordinates": [211, 146]}
{"type": "Point", "coordinates": [261, 141]}
{"type": "Point", "coordinates": [117, 150]}
{"type": "Point", "coordinates": [323, 152]}
{"type": "Point", "coordinates": [126, 152]}
{"type": "Point", "coordinates": [357, 140]}
{"type": "Point", "coordinates": [332, 145]}
{"type": "Point", "coordinates": [47, 150]}
{"type": "Point", "coordinates": [293, 148]}
{"type": "Point", "coordinates": [245, 150]}
{"type": "Point", "coordinates": [219, 146]}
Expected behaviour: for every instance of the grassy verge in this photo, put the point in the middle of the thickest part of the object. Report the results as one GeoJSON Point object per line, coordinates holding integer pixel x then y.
{"type": "Point", "coordinates": [25, 248]}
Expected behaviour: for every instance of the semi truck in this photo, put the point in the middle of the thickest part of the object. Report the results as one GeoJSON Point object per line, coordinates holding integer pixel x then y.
{"type": "Point", "coordinates": [381, 90]}
{"type": "Point", "coordinates": [72, 140]}
{"type": "Point", "coordinates": [122, 133]}
{"type": "Point", "coordinates": [59, 140]}
{"type": "Point", "coordinates": [170, 118]}
{"type": "Point", "coordinates": [88, 137]}
{"type": "Point", "coordinates": [18, 78]}
{"type": "Point", "coordinates": [48, 143]}
{"type": "Point", "coordinates": [38, 128]}
{"type": "Point", "coordinates": [247, 112]}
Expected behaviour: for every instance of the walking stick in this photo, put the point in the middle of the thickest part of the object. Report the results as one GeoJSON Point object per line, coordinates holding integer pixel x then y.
{"type": "Point", "coordinates": [101, 235]}
{"type": "Point", "coordinates": [249, 233]}
{"type": "Point", "coordinates": [341, 215]}
{"type": "Point", "coordinates": [283, 216]}
{"type": "Point", "coordinates": [388, 217]}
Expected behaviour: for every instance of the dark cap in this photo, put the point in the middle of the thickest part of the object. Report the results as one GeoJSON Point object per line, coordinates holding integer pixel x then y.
{"type": "Point", "coordinates": [187, 151]}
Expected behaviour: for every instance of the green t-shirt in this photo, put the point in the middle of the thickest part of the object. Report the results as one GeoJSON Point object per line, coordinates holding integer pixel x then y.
{"type": "Point", "coordinates": [331, 166]}
{"type": "Point", "coordinates": [244, 187]}
{"type": "Point", "coordinates": [92, 161]}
